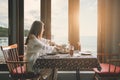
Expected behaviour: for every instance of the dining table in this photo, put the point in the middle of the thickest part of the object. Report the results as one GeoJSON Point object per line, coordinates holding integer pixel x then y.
{"type": "Point", "coordinates": [65, 62]}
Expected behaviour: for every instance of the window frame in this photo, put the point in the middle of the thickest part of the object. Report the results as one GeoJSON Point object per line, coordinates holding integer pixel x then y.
{"type": "Point", "coordinates": [15, 19]}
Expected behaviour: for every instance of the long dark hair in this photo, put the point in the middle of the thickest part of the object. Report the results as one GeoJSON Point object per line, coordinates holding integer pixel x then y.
{"type": "Point", "coordinates": [36, 29]}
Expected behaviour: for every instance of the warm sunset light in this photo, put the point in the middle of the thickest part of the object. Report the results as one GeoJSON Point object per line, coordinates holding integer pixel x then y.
{"type": "Point", "coordinates": [60, 39]}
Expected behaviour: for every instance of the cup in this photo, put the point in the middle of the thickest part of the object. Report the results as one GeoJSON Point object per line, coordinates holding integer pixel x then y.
{"type": "Point", "coordinates": [71, 49]}
{"type": "Point", "coordinates": [78, 46]}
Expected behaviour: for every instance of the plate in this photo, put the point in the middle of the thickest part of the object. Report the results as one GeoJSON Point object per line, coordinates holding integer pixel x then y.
{"type": "Point", "coordinates": [54, 53]}
{"type": "Point", "coordinates": [85, 53]}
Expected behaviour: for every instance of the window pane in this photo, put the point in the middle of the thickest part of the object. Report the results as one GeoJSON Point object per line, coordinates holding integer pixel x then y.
{"type": "Point", "coordinates": [59, 21]}
{"type": "Point", "coordinates": [3, 26]}
{"type": "Point", "coordinates": [88, 25]}
{"type": "Point", "coordinates": [31, 13]}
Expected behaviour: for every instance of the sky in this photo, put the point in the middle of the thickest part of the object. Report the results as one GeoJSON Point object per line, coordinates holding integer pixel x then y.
{"type": "Point", "coordinates": [4, 13]}
{"type": "Point", "coordinates": [88, 15]}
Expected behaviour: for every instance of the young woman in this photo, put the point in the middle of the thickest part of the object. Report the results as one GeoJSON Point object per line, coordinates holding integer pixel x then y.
{"type": "Point", "coordinates": [37, 46]}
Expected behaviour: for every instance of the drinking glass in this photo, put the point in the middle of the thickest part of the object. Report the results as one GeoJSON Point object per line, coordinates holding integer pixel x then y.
{"type": "Point", "coordinates": [78, 46]}
{"type": "Point", "coordinates": [71, 48]}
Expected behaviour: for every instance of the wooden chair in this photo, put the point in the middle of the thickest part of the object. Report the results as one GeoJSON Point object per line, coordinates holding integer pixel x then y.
{"type": "Point", "coordinates": [110, 67]}
{"type": "Point", "coordinates": [16, 67]}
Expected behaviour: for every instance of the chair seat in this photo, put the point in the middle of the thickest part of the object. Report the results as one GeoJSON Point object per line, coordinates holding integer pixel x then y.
{"type": "Point", "coordinates": [19, 70]}
{"type": "Point", "coordinates": [105, 70]}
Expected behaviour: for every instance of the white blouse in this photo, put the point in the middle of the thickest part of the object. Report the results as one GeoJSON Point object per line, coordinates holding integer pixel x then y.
{"type": "Point", "coordinates": [36, 48]}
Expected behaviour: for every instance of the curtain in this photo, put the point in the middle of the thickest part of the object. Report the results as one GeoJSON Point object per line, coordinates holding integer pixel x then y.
{"type": "Point", "coordinates": [73, 15]}
{"type": "Point", "coordinates": [46, 17]}
{"type": "Point", "coordinates": [16, 24]}
{"type": "Point", "coordinates": [108, 26]}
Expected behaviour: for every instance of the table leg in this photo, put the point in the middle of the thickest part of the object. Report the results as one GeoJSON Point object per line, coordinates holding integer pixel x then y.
{"type": "Point", "coordinates": [77, 74]}
{"type": "Point", "coordinates": [54, 73]}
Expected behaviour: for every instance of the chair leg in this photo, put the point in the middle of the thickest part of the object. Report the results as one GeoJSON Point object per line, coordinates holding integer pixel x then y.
{"type": "Point", "coordinates": [94, 77]}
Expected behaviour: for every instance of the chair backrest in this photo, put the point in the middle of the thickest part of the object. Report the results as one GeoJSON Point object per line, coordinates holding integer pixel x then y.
{"type": "Point", "coordinates": [10, 52]}
{"type": "Point", "coordinates": [110, 61]}
{"type": "Point", "coordinates": [12, 60]}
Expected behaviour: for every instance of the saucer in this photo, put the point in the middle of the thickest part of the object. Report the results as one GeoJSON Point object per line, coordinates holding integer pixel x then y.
{"type": "Point", "coordinates": [53, 53]}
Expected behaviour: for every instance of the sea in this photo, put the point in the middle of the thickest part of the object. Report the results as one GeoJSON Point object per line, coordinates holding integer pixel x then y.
{"type": "Point", "coordinates": [3, 42]}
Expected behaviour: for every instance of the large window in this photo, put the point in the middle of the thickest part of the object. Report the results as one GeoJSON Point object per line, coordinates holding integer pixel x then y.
{"type": "Point", "coordinates": [3, 26]}
{"type": "Point", "coordinates": [31, 13]}
{"type": "Point", "coordinates": [59, 22]}
{"type": "Point", "coordinates": [88, 25]}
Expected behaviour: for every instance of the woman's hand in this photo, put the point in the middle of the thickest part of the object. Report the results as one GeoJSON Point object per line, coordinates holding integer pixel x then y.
{"type": "Point", "coordinates": [58, 47]}
{"type": "Point", "coordinates": [51, 43]}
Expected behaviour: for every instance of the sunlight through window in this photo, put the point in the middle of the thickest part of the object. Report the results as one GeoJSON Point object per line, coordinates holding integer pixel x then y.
{"type": "Point", "coordinates": [88, 25]}
{"type": "Point", "coordinates": [59, 21]}
{"type": "Point", "coordinates": [31, 13]}
{"type": "Point", "coordinates": [3, 26]}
